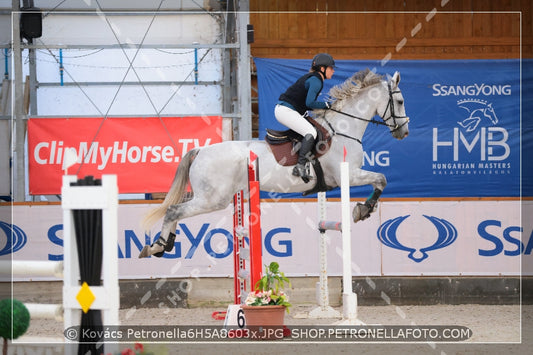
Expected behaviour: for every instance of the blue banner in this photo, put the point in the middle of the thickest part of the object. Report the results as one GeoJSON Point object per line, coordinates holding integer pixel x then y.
{"type": "Point", "coordinates": [465, 128]}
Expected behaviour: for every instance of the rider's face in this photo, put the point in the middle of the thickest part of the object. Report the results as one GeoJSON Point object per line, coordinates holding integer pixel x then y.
{"type": "Point", "coordinates": [329, 72]}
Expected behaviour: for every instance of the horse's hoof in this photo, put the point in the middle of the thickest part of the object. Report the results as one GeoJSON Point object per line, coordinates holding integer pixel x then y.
{"type": "Point", "coordinates": [145, 252]}
{"type": "Point", "coordinates": [356, 213]}
{"type": "Point", "coordinates": [155, 250]}
{"type": "Point", "coordinates": [360, 212]}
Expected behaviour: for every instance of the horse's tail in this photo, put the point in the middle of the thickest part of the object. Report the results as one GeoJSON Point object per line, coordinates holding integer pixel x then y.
{"type": "Point", "coordinates": [176, 193]}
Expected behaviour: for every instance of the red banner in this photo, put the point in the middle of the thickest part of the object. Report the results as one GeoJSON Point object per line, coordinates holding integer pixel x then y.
{"type": "Point", "coordinates": [143, 152]}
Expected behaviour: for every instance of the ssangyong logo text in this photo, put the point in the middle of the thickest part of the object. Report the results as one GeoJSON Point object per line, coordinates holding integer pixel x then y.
{"type": "Point", "coordinates": [15, 238]}
{"type": "Point", "coordinates": [471, 90]}
{"type": "Point", "coordinates": [475, 143]}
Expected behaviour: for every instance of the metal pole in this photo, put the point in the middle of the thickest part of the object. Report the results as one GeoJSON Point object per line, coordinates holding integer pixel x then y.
{"type": "Point", "coordinates": [33, 82]}
{"type": "Point", "coordinates": [228, 68]}
{"type": "Point", "coordinates": [243, 75]}
{"type": "Point", "coordinates": [18, 107]}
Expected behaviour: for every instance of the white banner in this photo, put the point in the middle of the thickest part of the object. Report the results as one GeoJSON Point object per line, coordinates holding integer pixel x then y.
{"type": "Point", "coordinates": [478, 238]}
{"type": "Point", "coordinates": [5, 150]}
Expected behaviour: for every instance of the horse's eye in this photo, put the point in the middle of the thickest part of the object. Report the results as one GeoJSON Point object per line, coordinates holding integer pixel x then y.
{"type": "Point", "coordinates": [400, 102]}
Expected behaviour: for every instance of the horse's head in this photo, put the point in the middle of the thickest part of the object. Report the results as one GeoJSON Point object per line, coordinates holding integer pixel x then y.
{"type": "Point", "coordinates": [392, 109]}
{"type": "Point", "coordinates": [364, 95]}
{"type": "Point", "coordinates": [490, 114]}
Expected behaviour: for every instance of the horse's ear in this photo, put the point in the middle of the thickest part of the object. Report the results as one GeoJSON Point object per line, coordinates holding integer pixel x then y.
{"type": "Point", "coordinates": [395, 80]}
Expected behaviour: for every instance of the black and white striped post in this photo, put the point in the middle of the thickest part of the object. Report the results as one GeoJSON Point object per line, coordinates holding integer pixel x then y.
{"type": "Point", "coordinates": [90, 287]}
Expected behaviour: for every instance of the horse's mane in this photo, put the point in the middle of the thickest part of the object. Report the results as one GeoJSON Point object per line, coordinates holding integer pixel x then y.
{"type": "Point", "coordinates": [351, 87]}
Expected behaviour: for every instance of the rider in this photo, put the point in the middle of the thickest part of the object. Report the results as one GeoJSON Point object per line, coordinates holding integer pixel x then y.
{"type": "Point", "coordinates": [300, 97]}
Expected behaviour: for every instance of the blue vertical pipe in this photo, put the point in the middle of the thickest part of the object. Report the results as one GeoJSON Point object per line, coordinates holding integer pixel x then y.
{"type": "Point", "coordinates": [196, 66]}
{"type": "Point", "coordinates": [6, 60]}
{"type": "Point", "coordinates": [61, 65]}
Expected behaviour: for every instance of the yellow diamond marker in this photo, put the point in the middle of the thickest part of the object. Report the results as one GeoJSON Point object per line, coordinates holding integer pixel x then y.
{"type": "Point", "coordinates": [85, 297]}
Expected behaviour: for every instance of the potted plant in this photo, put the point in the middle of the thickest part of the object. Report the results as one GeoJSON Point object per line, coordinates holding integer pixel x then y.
{"type": "Point", "coordinates": [14, 320]}
{"type": "Point", "coordinates": [265, 307]}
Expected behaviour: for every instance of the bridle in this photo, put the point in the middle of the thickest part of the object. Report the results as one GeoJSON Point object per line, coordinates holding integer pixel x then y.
{"type": "Point", "coordinates": [390, 104]}
{"type": "Point", "coordinates": [384, 121]}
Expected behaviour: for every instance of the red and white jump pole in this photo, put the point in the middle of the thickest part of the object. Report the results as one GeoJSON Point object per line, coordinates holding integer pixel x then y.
{"type": "Point", "coordinates": [254, 203]}
{"type": "Point", "coordinates": [247, 261]}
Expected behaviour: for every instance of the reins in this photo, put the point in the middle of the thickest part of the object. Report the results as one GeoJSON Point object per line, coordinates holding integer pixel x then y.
{"type": "Point", "coordinates": [335, 133]}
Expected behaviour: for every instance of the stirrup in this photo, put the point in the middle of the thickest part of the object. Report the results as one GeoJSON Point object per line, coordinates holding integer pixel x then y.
{"type": "Point", "coordinates": [302, 171]}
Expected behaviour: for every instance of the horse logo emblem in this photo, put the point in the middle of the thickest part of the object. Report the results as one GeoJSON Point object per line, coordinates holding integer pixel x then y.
{"type": "Point", "coordinates": [15, 238]}
{"type": "Point", "coordinates": [477, 110]}
{"type": "Point", "coordinates": [447, 234]}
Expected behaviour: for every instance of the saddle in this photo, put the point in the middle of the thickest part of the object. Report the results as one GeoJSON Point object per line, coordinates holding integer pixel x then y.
{"type": "Point", "coordinates": [285, 144]}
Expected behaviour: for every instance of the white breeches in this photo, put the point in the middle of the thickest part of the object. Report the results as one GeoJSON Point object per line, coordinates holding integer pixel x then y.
{"type": "Point", "coordinates": [292, 119]}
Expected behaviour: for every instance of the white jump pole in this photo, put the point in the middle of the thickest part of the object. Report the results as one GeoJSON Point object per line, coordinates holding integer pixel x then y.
{"type": "Point", "coordinates": [324, 310]}
{"type": "Point", "coordinates": [349, 298]}
{"type": "Point", "coordinates": [36, 268]}
{"type": "Point", "coordinates": [45, 311]}
{"type": "Point", "coordinates": [31, 267]}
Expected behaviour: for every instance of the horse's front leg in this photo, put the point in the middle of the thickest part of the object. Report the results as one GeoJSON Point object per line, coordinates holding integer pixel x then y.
{"type": "Point", "coordinates": [362, 177]}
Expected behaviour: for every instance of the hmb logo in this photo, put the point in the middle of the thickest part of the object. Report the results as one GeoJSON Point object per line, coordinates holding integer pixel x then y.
{"type": "Point", "coordinates": [477, 110]}
{"type": "Point", "coordinates": [473, 138]}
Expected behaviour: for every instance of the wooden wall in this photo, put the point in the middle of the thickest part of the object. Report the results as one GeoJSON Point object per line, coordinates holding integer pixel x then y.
{"type": "Point", "coordinates": [390, 29]}
{"type": "Point", "coordinates": [398, 29]}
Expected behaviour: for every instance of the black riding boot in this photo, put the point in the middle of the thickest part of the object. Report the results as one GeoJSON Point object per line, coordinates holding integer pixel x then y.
{"type": "Point", "coordinates": [303, 157]}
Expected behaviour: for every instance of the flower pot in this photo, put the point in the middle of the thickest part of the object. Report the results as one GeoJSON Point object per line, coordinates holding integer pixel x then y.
{"type": "Point", "coordinates": [264, 322]}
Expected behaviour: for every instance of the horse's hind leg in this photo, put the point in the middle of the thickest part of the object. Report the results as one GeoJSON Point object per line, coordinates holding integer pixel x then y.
{"type": "Point", "coordinates": [174, 213]}
{"type": "Point", "coordinates": [165, 242]}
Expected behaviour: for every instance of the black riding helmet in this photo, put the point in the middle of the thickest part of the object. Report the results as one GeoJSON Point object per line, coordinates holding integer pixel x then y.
{"type": "Point", "coordinates": [322, 60]}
